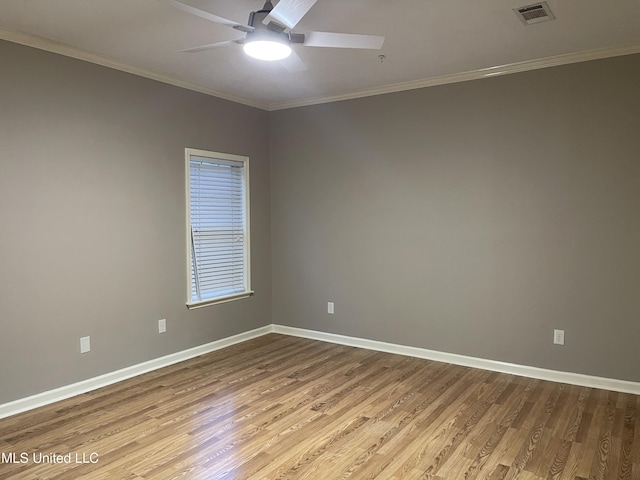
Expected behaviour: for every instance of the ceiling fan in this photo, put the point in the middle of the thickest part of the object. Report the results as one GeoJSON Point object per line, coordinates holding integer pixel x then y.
{"type": "Point", "coordinates": [269, 35]}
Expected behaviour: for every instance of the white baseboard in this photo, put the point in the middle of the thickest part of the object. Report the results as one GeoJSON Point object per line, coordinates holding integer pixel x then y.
{"type": "Point", "coordinates": [624, 386]}
{"type": "Point", "coordinates": [51, 396]}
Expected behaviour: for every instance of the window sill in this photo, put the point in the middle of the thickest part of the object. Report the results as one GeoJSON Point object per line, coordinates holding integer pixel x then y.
{"type": "Point", "coordinates": [214, 301]}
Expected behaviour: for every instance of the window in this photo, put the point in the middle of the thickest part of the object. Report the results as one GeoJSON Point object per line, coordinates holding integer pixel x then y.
{"type": "Point", "coordinates": [217, 227]}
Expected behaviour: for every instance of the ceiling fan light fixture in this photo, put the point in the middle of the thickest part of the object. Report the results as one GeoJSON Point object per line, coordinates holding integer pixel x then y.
{"type": "Point", "coordinates": [268, 50]}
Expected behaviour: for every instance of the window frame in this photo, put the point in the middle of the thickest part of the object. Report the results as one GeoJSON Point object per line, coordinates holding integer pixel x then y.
{"type": "Point", "coordinates": [191, 152]}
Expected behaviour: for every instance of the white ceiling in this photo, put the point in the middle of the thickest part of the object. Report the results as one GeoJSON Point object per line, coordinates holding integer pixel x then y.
{"type": "Point", "coordinates": [427, 42]}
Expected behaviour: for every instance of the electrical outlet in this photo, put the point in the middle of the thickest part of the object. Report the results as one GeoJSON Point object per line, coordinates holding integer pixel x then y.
{"type": "Point", "coordinates": [330, 308]}
{"type": "Point", "coordinates": [558, 337]}
{"type": "Point", "coordinates": [162, 325]}
{"type": "Point", "coordinates": [85, 344]}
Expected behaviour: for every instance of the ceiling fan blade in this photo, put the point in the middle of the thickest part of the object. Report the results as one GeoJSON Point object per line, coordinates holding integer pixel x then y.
{"type": "Point", "coordinates": [293, 63]}
{"type": "Point", "coordinates": [289, 12]}
{"type": "Point", "coordinates": [202, 48]}
{"type": "Point", "coordinates": [343, 40]}
{"type": "Point", "coordinates": [202, 14]}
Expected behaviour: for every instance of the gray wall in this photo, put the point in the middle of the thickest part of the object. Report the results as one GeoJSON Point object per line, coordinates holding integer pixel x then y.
{"type": "Point", "coordinates": [92, 211]}
{"type": "Point", "coordinates": [471, 218]}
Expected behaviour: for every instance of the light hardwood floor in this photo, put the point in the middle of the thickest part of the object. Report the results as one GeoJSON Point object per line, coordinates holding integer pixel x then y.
{"type": "Point", "coordinates": [280, 407]}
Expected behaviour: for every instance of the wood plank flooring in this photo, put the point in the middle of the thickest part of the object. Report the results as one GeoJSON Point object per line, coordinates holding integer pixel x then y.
{"type": "Point", "coordinates": [280, 407]}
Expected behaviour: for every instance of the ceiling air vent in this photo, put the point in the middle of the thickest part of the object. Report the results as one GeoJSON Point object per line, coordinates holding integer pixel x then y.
{"type": "Point", "coordinates": [536, 13]}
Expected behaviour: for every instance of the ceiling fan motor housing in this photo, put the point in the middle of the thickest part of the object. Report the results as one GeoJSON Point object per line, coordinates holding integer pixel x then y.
{"type": "Point", "coordinates": [256, 18]}
{"type": "Point", "coordinates": [266, 42]}
{"type": "Point", "coordinates": [261, 31]}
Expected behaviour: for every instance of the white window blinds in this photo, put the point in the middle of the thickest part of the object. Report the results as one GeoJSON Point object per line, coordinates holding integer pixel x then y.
{"type": "Point", "coordinates": [218, 233]}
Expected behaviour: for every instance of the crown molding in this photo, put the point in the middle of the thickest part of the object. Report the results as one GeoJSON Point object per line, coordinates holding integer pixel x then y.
{"type": "Point", "coordinates": [61, 49]}
{"type": "Point", "coordinates": [553, 61]}
{"type": "Point", "coordinates": [517, 67]}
